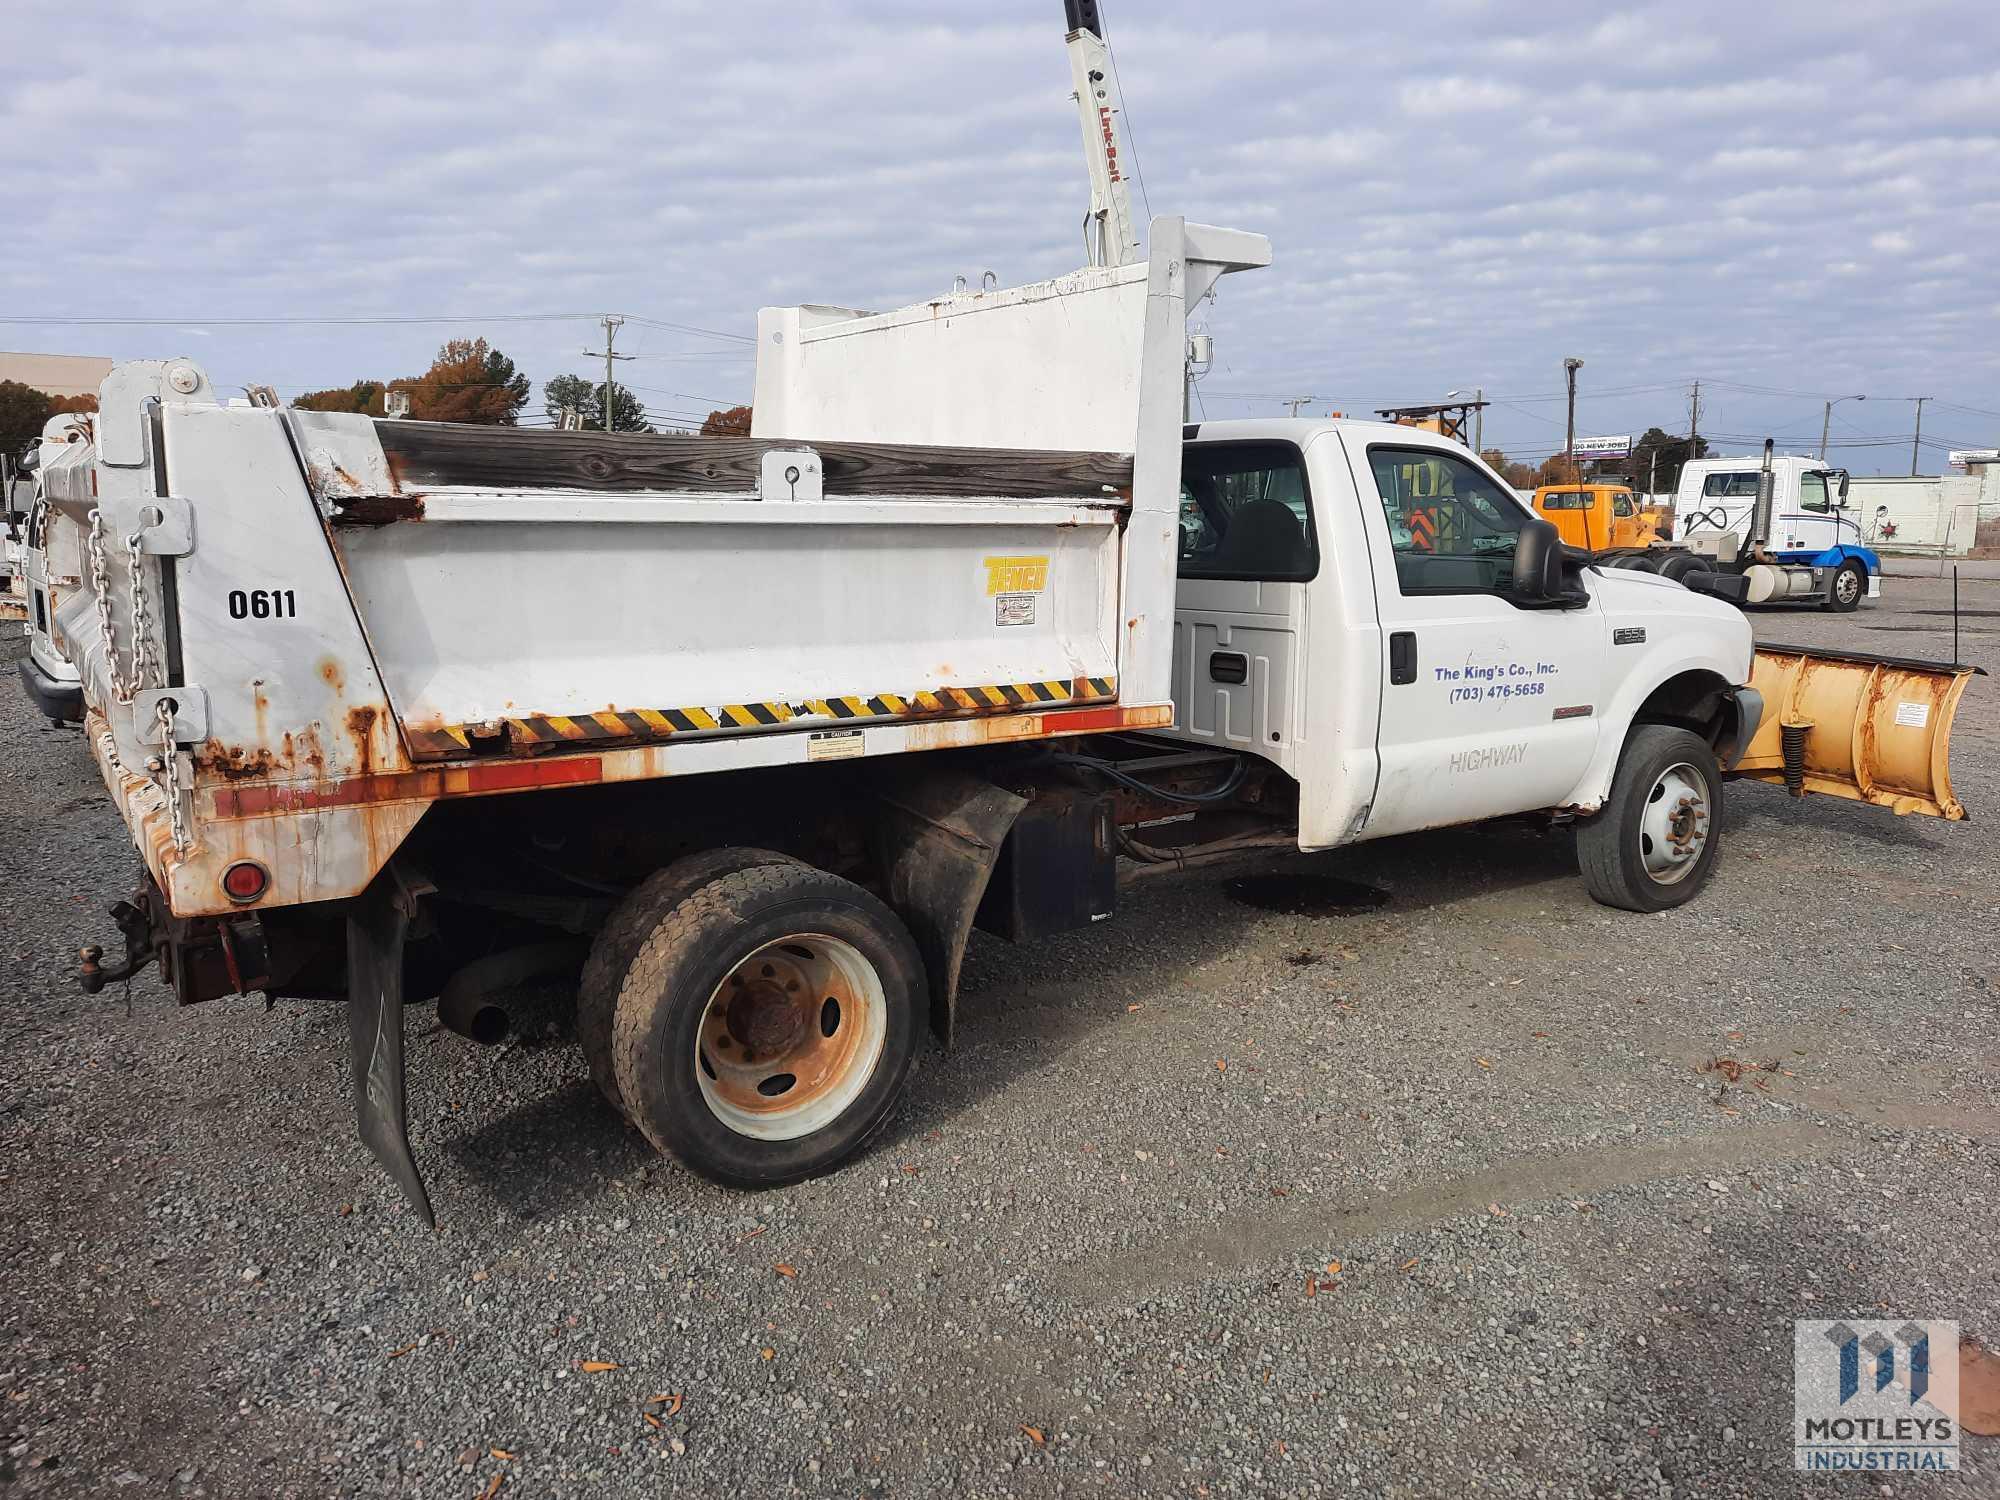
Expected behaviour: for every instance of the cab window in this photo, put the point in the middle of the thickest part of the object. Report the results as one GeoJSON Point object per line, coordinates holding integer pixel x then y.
{"type": "Point", "coordinates": [1246, 512]}
{"type": "Point", "coordinates": [1737, 486]}
{"type": "Point", "coordinates": [1812, 492]}
{"type": "Point", "coordinates": [1621, 504]}
{"type": "Point", "coordinates": [1452, 525]}
{"type": "Point", "coordinates": [1568, 500]}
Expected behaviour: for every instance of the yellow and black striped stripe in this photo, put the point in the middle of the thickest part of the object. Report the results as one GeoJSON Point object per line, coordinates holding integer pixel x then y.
{"type": "Point", "coordinates": [647, 724]}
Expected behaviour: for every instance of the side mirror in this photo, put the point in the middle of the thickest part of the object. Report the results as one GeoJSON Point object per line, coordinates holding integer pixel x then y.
{"type": "Point", "coordinates": [1538, 561]}
{"type": "Point", "coordinates": [1843, 486]}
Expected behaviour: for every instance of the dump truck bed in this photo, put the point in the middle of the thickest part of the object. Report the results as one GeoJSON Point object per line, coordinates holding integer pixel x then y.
{"type": "Point", "coordinates": [956, 523]}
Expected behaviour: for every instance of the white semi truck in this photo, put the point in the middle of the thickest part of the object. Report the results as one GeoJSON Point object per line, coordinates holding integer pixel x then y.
{"type": "Point", "coordinates": [968, 625]}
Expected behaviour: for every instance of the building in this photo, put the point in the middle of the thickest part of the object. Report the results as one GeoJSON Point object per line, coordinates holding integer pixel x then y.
{"type": "Point", "coordinates": [56, 374]}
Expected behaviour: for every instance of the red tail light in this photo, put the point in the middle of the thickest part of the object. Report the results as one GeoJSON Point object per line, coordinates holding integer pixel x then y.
{"type": "Point", "coordinates": [245, 881]}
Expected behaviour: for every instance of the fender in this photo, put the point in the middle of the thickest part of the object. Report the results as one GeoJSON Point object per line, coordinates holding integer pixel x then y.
{"type": "Point", "coordinates": [1615, 723]}
{"type": "Point", "coordinates": [1834, 556]}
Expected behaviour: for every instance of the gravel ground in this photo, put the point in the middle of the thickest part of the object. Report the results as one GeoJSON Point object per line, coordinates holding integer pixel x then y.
{"type": "Point", "coordinates": [1092, 1254]}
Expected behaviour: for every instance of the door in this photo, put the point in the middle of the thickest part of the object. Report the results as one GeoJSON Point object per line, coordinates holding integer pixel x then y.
{"type": "Point", "coordinates": [1247, 551]}
{"type": "Point", "coordinates": [1810, 520]}
{"type": "Point", "coordinates": [1489, 702]}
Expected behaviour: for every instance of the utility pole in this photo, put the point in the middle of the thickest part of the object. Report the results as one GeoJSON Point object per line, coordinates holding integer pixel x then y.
{"type": "Point", "coordinates": [1694, 425]}
{"type": "Point", "coordinates": [611, 327]}
{"type": "Point", "coordinates": [1920, 400]}
{"type": "Point", "coordinates": [1826, 420]}
{"type": "Point", "coordinates": [1570, 367]}
{"type": "Point", "coordinates": [1479, 420]}
{"type": "Point", "coordinates": [1296, 402]}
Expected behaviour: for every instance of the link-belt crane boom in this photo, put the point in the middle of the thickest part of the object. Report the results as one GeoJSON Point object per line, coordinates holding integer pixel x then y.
{"type": "Point", "coordinates": [1109, 234]}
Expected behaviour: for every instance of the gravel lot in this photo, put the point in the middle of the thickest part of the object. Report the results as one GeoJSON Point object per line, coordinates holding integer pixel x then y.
{"type": "Point", "coordinates": [1092, 1254]}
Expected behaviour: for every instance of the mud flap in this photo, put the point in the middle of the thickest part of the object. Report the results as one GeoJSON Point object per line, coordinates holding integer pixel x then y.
{"type": "Point", "coordinates": [376, 928]}
{"type": "Point", "coordinates": [939, 837]}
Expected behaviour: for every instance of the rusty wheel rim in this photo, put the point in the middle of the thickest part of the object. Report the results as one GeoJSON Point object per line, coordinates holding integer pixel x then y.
{"type": "Point", "coordinates": [1674, 825]}
{"type": "Point", "coordinates": [790, 1037]}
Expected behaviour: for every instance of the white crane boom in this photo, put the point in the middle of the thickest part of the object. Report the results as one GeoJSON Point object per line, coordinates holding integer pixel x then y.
{"type": "Point", "coordinates": [1112, 237]}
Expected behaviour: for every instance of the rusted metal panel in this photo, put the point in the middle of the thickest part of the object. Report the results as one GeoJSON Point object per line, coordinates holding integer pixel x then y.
{"type": "Point", "coordinates": [1866, 728]}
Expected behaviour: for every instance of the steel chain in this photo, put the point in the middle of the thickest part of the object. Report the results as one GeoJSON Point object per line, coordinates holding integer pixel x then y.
{"type": "Point", "coordinates": [145, 651]}
{"type": "Point", "coordinates": [146, 663]}
{"type": "Point", "coordinates": [170, 761]}
{"type": "Point", "coordinates": [100, 583]}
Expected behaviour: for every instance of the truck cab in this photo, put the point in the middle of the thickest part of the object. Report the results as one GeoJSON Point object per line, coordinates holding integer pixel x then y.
{"type": "Point", "coordinates": [1594, 517]}
{"type": "Point", "coordinates": [1814, 543]}
{"type": "Point", "coordinates": [1347, 607]}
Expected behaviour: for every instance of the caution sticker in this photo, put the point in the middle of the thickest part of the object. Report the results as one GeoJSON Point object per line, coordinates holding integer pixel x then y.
{"type": "Point", "coordinates": [1913, 715]}
{"type": "Point", "coordinates": [1014, 609]}
{"type": "Point", "coordinates": [1017, 575]}
{"type": "Point", "coordinates": [834, 744]}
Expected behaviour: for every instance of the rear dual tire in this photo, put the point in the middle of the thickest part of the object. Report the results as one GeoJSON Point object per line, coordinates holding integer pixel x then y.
{"type": "Point", "coordinates": [766, 1024]}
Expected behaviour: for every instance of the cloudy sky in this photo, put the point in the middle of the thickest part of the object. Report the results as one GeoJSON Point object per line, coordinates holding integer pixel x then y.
{"type": "Point", "coordinates": [1787, 201]}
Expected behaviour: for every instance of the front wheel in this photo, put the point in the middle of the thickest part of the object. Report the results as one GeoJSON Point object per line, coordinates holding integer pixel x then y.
{"type": "Point", "coordinates": [1653, 844]}
{"type": "Point", "coordinates": [1849, 585]}
{"type": "Point", "coordinates": [766, 1027]}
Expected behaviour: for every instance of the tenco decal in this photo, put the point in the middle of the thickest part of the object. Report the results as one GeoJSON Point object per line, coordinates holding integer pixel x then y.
{"type": "Point", "coordinates": [1016, 575]}
{"type": "Point", "coordinates": [1489, 757]}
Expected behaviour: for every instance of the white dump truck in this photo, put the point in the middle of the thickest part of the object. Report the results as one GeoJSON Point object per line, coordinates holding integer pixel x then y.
{"type": "Point", "coordinates": [51, 564]}
{"type": "Point", "coordinates": [969, 625]}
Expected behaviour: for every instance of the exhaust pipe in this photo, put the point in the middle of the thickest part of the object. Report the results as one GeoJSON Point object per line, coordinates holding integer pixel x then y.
{"type": "Point", "coordinates": [470, 1003]}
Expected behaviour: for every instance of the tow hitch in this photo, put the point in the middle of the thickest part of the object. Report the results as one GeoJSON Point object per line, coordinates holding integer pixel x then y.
{"type": "Point", "coordinates": [142, 947]}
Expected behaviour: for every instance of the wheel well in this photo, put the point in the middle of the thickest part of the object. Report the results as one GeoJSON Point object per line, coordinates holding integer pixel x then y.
{"type": "Point", "coordinates": [1700, 701]}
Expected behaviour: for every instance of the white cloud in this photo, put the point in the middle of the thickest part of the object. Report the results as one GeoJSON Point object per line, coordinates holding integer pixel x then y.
{"type": "Point", "coordinates": [1432, 97]}
{"type": "Point", "coordinates": [1458, 193]}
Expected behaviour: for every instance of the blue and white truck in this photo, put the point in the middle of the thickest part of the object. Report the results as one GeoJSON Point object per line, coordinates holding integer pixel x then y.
{"type": "Point", "coordinates": [1781, 522]}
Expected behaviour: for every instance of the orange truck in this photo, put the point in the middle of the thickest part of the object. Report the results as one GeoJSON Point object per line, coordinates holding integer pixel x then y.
{"type": "Point", "coordinates": [1601, 516]}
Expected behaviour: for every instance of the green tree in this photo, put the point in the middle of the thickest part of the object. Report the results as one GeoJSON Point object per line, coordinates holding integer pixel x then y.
{"type": "Point", "coordinates": [628, 413]}
{"type": "Point", "coordinates": [1671, 451]}
{"type": "Point", "coordinates": [23, 410]}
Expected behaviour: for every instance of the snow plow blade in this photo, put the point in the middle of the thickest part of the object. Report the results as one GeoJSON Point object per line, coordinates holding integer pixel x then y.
{"type": "Point", "coordinates": [1868, 728]}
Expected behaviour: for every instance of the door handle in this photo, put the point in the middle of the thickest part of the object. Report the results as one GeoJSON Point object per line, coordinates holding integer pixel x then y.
{"type": "Point", "coordinates": [1228, 666]}
{"type": "Point", "coordinates": [1402, 657]}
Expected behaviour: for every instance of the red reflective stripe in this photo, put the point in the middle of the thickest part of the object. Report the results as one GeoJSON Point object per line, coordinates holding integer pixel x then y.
{"type": "Point", "coordinates": [410, 786]}
{"type": "Point", "coordinates": [1093, 718]}
{"type": "Point", "coordinates": [513, 775]}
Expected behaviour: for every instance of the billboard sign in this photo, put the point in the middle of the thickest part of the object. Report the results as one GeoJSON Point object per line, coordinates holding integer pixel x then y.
{"type": "Point", "coordinates": [1605, 447]}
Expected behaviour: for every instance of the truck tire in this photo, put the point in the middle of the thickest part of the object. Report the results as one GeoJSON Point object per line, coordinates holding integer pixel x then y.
{"type": "Point", "coordinates": [1653, 844]}
{"type": "Point", "coordinates": [618, 942]}
{"type": "Point", "coordinates": [1680, 564]}
{"type": "Point", "coordinates": [767, 1025]}
{"type": "Point", "coordinates": [1847, 588]}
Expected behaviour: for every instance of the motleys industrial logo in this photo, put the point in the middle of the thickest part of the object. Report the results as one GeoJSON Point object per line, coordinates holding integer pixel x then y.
{"type": "Point", "coordinates": [1874, 1394]}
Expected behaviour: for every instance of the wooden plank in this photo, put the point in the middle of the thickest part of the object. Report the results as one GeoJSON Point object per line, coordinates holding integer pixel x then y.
{"type": "Point", "coordinates": [424, 455]}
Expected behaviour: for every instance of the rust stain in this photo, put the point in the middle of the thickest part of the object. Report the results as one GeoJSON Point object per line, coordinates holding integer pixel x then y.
{"type": "Point", "coordinates": [260, 707]}
{"type": "Point", "coordinates": [235, 763]}
{"type": "Point", "coordinates": [361, 725]}
{"type": "Point", "coordinates": [377, 510]}
{"type": "Point", "coordinates": [330, 673]}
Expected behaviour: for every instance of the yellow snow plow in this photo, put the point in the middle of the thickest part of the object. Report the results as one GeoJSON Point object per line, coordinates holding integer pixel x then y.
{"type": "Point", "coordinates": [1868, 728]}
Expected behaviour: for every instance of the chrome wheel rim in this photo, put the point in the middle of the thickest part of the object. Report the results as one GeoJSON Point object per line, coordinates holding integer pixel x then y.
{"type": "Point", "coordinates": [1674, 824]}
{"type": "Point", "coordinates": [1847, 587]}
{"type": "Point", "coordinates": [791, 1036]}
